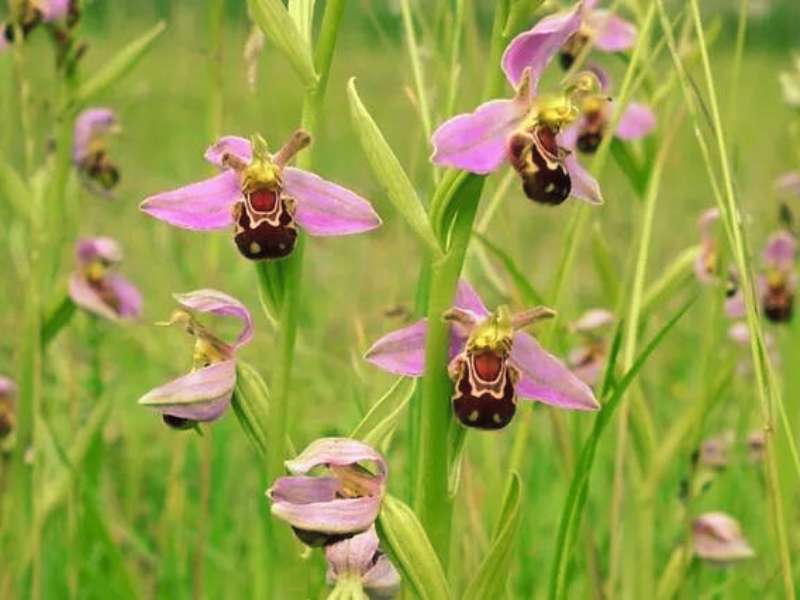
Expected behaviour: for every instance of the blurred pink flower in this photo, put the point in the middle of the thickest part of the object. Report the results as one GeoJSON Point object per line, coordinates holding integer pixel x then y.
{"type": "Point", "coordinates": [603, 29]}
{"type": "Point", "coordinates": [89, 153]}
{"type": "Point", "coordinates": [718, 538]}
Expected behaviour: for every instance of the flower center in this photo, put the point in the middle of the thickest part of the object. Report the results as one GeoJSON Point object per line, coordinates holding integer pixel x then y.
{"type": "Point", "coordinates": [488, 365]}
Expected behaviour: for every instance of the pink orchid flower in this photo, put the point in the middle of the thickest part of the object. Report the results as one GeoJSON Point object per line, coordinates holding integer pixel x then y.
{"type": "Point", "coordinates": [96, 288]}
{"type": "Point", "coordinates": [263, 199]}
{"type": "Point", "coordinates": [8, 417]}
{"type": "Point", "coordinates": [360, 557]}
{"type": "Point", "coordinates": [31, 13]}
{"type": "Point", "coordinates": [718, 538]}
{"type": "Point", "coordinates": [779, 280]}
{"type": "Point", "coordinates": [491, 362]}
{"type": "Point", "coordinates": [587, 360]}
{"type": "Point", "coordinates": [89, 153]}
{"type": "Point", "coordinates": [601, 28]}
{"type": "Point", "coordinates": [205, 393]}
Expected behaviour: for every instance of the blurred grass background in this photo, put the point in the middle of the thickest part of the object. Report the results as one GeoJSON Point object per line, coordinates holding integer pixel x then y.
{"type": "Point", "coordinates": [131, 525]}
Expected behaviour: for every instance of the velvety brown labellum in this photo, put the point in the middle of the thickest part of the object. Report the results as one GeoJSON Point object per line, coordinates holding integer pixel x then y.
{"type": "Point", "coordinates": [591, 134]}
{"type": "Point", "coordinates": [178, 422]}
{"type": "Point", "coordinates": [539, 161]}
{"type": "Point", "coordinates": [265, 226]}
{"type": "Point", "coordinates": [779, 304]}
{"type": "Point", "coordinates": [571, 49]}
{"type": "Point", "coordinates": [100, 168]}
{"type": "Point", "coordinates": [318, 539]}
{"type": "Point", "coordinates": [484, 390]}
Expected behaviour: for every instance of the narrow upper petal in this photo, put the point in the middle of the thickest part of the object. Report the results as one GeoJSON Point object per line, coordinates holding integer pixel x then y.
{"type": "Point", "coordinates": [468, 298]}
{"type": "Point", "coordinates": [401, 352]}
{"type": "Point", "coordinates": [718, 537]}
{"type": "Point", "coordinates": [220, 303]}
{"type": "Point", "coordinates": [129, 299]}
{"type": "Point", "coordinates": [204, 205]}
{"type": "Point", "coordinates": [476, 141]}
{"type": "Point", "coordinates": [325, 208]}
{"type": "Point", "coordinates": [636, 122]}
{"type": "Point", "coordinates": [104, 248]}
{"type": "Point", "coordinates": [547, 379]}
{"type": "Point", "coordinates": [353, 555]}
{"type": "Point", "coordinates": [229, 144]}
{"type": "Point", "coordinates": [335, 451]}
{"type": "Point", "coordinates": [611, 33]}
{"type": "Point", "coordinates": [788, 183]}
{"type": "Point", "coordinates": [780, 251]}
{"type": "Point", "coordinates": [202, 395]}
{"type": "Point", "coordinates": [536, 47]}
{"type": "Point", "coordinates": [584, 186]}
{"type": "Point", "coordinates": [341, 515]}
{"type": "Point", "coordinates": [91, 123]}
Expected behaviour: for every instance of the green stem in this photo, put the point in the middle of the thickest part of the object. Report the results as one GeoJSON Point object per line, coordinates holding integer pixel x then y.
{"type": "Point", "coordinates": [57, 320]}
{"type": "Point", "coordinates": [416, 67]}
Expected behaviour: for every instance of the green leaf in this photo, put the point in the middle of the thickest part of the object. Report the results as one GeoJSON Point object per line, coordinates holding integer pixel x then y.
{"type": "Point", "coordinates": [117, 67]}
{"type": "Point", "coordinates": [410, 550]}
{"type": "Point", "coordinates": [579, 487]}
{"type": "Point", "coordinates": [271, 284]}
{"type": "Point", "coordinates": [492, 577]}
{"type": "Point", "coordinates": [14, 189]}
{"type": "Point", "coordinates": [378, 425]}
{"type": "Point", "coordinates": [251, 405]}
{"type": "Point", "coordinates": [526, 290]}
{"type": "Point", "coordinates": [302, 13]}
{"type": "Point", "coordinates": [276, 23]}
{"type": "Point", "coordinates": [678, 274]}
{"type": "Point", "coordinates": [389, 172]}
{"type": "Point", "coordinates": [57, 320]}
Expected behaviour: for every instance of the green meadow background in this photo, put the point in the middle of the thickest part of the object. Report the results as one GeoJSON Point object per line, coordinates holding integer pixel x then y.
{"type": "Point", "coordinates": [152, 512]}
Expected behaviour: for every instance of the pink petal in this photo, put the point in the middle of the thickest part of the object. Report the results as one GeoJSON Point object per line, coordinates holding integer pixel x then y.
{"type": "Point", "coordinates": [128, 296]}
{"type": "Point", "coordinates": [611, 33]}
{"type": "Point", "coordinates": [87, 298]}
{"type": "Point", "coordinates": [202, 395]}
{"type": "Point", "coordinates": [7, 387]}
{"type": "Point", "coordinates": [735, 307]}
{"type": "Point", "coordinates": [467, 298]}
{"type": "Point", "coordinates": [52, 10]}
{"type": "Point", "coordinates": [536, 48]}
{"type": "Point", "coordinates": [336, 451]}
{"type": "Point", "coordinates": [341, 515]}
{"type": "Point", "coordinates": [401, 352]}
{"type": "Point", "coordinates": [780, 251]}
{"type": "Point", "coordinates": [219, 303]}
{"type": "Point", "coordinates": [592, 319]}
{"type": "Point", "coordinates": [325, 208]}
{"type": "Point", "coordinates": [476, 141]}
{"type": "Point", "coordinates": [718, 537]}
{"type": "Point", "coordinates": [230, 144]}
{"type": "Point", "coordinates": [584, 186]}
{"type": "Point", "coordinates": [382, 578]}
{"type": "Point", "coordinates": [636, 122]}
{"type": "Point", "coordinates": [353, 555]}
{"type": "Point", "coordinates": [568, 138]}
{"type": "Point", "coordinates": [204, 205]}
{"type": "Point", "coordinates": [300, 489]}
{"type": "Point", "coordinates": [788, 183]}
{"type": "Point", "coordinates": [104, 248]}
{"type": "Point", "coordinates": [90, 124]}
{"type": "Point", "coordinates": [586, 366]}
{"type": "Point", "coordinates": [547, 379]}
{"type": "Point", "coordinates": [706, 222]}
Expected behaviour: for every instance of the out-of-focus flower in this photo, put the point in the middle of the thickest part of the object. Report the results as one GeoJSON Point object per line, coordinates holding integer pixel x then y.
{"type": "Point", "coordinates": [755, 445]}
{"type": "Point", "coordinates": [8, 413]}
{"type": "Point", "coordinates": [205, 393]}
{"type": "Point", "coordinates": [602, 28]}
{"type": "Point", "coordinates": [263, 199]}
{"type": "Point", "coordinates": [718, 538]}
{"type": "Point", "coordinates": [779, 280]}
{"type": "Point", "coordinates": [359, 558]}
{"type": "Point", "coordinates": [790, 83]}
{"type": "Point", "coordinates": [89, 150]}
{"type": "Point", "coordinates": [714, 451]}
{"type": "Point", "coordinates": [95, 287]}
{"type": "Point", "coordinates": [524, 130]}
{"type": "Point", "coordinates": [491, 362]}
{"type": "Point", "coordinates": [343, 500]}
{"type": "Point", "coordinates": [706, 265]}
{"type": "Point", "coordinates": [587, 360]}
{"type": "Point", "coordinates": [30, 13]}
{"type": "Point", "coordinates": [788, 184]}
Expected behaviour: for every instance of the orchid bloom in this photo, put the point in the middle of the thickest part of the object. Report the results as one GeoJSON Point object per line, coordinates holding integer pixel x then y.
{"type": "Point", "coordinates": [524, 130]}
{"type": "Point", "coordinates": [779, 280]}
{"type": "Point", "coordinates": [89, 152]}
{"type": "Point", "coordinates": [587, 360]}
{"type": "Point", "coordinates": [342, 501]}
{"type": "Point", "coordinates": [491, 362]}
{"type": "Point", "coordinates": [205, 393]}
{"type": "Point", "coordinates": [718, 538]}
{"type": "Point", "coordinates": [263, 199]}
{"type": "Point", "coordinates": [8, 417]}
{"type": "Point", "coordinates": [30, 13]}
{"type": "Point", "coordinates": [603, 29]}
{"type": "Point", "coordinates": [585, 134]}
{"type": "Point", "coordinates": [756, 444]}
{"type": "Point", "coordinates": [96, 288]}
{"type": "Point", "coordinates": [788, 184]}
{"type": "Point", "coordinates": [359, 559]}
{"type": "Point", "coordinates": [714, 451]}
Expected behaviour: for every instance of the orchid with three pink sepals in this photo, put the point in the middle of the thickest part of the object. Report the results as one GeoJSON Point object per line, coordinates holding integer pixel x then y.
{"type": "Point", "coordinates": [264, 199]}
{"type": "Point", "coordinates": [89, 153]}
{"type": "Point", "coordinates": [32, 12]}
{"type": "Point", "coordinates": [205, 393]}
{"type": "Point", "coordinates": [780, 279]}
{"type": "Point", "coordinates": [95, 288]}
{"type": "Point", "coordinates": [491, 362]}
{"type": "Point", "coordinates": [717, 537]}
{"type": "Point", "coordinates": [524, 131]}
{"type": "Point", "coordinates": [360, 558]}
{"type": "Point", "coordinates": [603, 29]}
{"type": "Point", "coordinates": [337, 504]}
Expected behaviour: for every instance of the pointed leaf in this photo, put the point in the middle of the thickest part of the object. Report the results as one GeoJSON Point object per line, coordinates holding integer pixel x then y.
{"type": "Point", "coordinates": [13, 189]}
{"type": "Point", "coordinates": [251, 405]}
{"type": "Point", "coordinates": [378, 425]}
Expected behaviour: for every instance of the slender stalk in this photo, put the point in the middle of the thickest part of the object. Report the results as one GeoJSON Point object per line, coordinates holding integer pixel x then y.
{"type": "Point", "coordinates": [416, 67]}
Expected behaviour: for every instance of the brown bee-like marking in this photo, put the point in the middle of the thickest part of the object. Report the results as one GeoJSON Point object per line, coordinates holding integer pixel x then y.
{"type": "Point", "coordinates": [591, 133]}
{"type": "Point", "coordinates": [178, 422]}
{"type": "Point", "coordinates": [540, 162]}
{"type": "Point", "coordinates": [778, 303]}
{"type": "Point", "coordinates": [100, 169]}
{"type": "Point", "coordinates": [571, 49]}
{"type": "Point", "coordinates": [264, 225]}
{"type": "Point", "coordinates": [484, 390]}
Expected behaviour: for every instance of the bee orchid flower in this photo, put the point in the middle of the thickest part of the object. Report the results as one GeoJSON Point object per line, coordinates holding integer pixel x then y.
{"type": "Point", "coordinates": [524, 131]}
{"type": "Point", "coordinates": [263, 199]}
{"type": "Point", "coordinates": [28, 14]}
{"type": "Point", "coordinates": [96, 288]}
{"type": "Point", "coordinates": [359, 558]}
{"type": "Point", "coordinates": [779, 280]}
{"type": "Point", "coordinates": [491, 362]}
{"type": "Point", "coordinates": [205, 393]}
{"type": "Point", "coordinates": [342, 500]}
{"type": "Point", "coordinates": [601, 28]}
{"type": "Point", "coordinates": [718, 538]}
{"type": "Point", "coordinates": [89, 150]}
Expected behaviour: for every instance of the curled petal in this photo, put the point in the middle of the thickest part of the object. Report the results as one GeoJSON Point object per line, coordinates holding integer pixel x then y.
{"type": "Point", "coordinates": [468, 298]}
{"type": "Point", "coordinates": [202, 395]}
{"type": "Point", "coordinates": [341, 515]}
{"type": "Point", "coordinates": [536, 48]}
{"type": "Point", "coordinates": [335, 451]}
{"type": "Point", "coordinates": [126, 298]}
{"type": "Point", "coordinates": [636, 122]}
{"type": "Point", "coordinates": [325, 208]}
{"type": "Point", "coordinates": [382, 579]}
{"type": "Point", "coordinates": [103, 248]}
{"type": "Point", "coordinates": [718, 537]}
{"type": "Point", "coordinates": [219, 303]}
{"type": "Point", "coordinates": [401, 352]}
{"type": "Point", "coordinates": [229, 144]}
{"type": "Point", "coordinates": [199, 206]}
{"type": "Point", "coordinates": [547, 379]}
{"type": "Point", "coordinates": [788, 183]}
{"type": "Point", "coordinates": [476, 141]}
{"type": "Point", "coordinates": [611, 33]}
{"type": "Point", "coordinates": [584, 186]}
{"type": "Point", "coordinates": [353, 555]}
{"type": "Point", "coordinates": [593, 319]}
{"type": "Point", "coordinates": [300, 489]}
{"type": "Point", "coordinates": [780, 250]}
{"type": "Point", "coordinates": [90, 124]}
